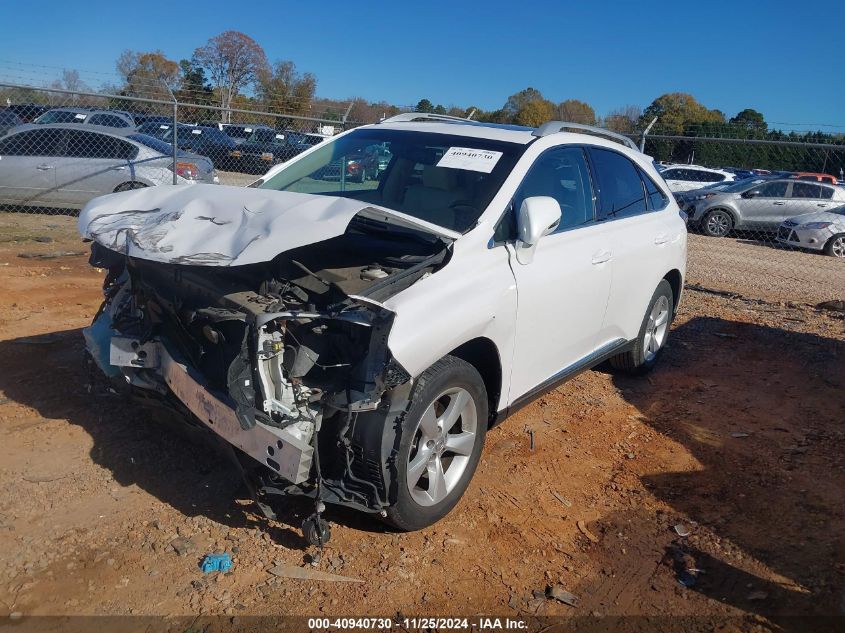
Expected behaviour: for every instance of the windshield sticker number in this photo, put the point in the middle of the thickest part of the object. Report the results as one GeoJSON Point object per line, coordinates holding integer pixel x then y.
{"type": "Point", "coordinates": [470, 159]}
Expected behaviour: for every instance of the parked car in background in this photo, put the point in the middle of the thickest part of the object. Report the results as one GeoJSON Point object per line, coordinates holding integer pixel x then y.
{"type": "Point", "coordinates": [355, 344]}
{"type": "Point", "coordinates": [686, 198]}
{"type": "Point", "coordinates": [301, 141]}
{"type": "Point", "coordinates": [65, 165]}
{"type": "Point", "coordinates": [806, 175]}
{"type": "Point", "coordinates": [85, 116]}
{"type": "Point", "coordinates": [28, 111]}
{"type": "Point", "coordinates": [141, 119]}
{"type": "Point", "coordinates": [686, 177]}
{"type": "Point", "coordinates": [205, 141]}
{"type": "Point", "coordinates": [262, 149]}
{"type": "Point", "coordinates": [822, 231]}
{"type": "Point", "coordinates": [240, 132]}
{"type": "Point", "coordinates": [8, 120]}
{"type": "Point", "coordinates": [762, 206]}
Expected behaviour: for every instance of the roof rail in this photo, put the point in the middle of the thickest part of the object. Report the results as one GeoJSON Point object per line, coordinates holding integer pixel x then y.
{"type": "Point", "coordinates": [560, 126]}
{"type": "Point", "coordinates": [424, 116]}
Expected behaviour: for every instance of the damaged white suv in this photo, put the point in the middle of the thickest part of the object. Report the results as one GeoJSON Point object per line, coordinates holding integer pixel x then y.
{"type": "Point", "coordinates": [354, 338]}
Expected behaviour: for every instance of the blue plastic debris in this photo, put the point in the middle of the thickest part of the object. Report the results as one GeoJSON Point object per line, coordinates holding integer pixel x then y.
{"type": "Point", "coordinates": [216, 562]}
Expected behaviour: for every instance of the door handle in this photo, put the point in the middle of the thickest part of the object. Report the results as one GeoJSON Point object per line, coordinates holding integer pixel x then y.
{"type": "Point", "coordinates": [44, 167]}
{"type": "Point", "coordinates": [823, 205]}
{"type": "Point", "coordinates": [601, 257]}
{"type": "Point", "coordinates": [661, 239]}
{"type": "Point", "coordinates": [778, 204]}
{"type": "Point", "coordinates": [119, 168]}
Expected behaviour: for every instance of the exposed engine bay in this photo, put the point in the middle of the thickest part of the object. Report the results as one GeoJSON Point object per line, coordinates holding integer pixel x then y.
{"type": "Point", "coordinates": [278, 358]}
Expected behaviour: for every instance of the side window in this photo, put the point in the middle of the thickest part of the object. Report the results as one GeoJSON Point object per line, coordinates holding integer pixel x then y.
{"type": "Point", "coordinates": [657, 200]}
{"type": "Point", "coordinates": [710, 176]}
{"type": "Point", "coordinates": [671, 174]}
{"type": "Point", "coordinates": [827, 193]}
{"type": "Point", "coordinates": [620, 190]}
{"type": "Point", "coordinates": [562, 174]}
{"type": "Point", "coordinates": [92, 145]}
{"type": "Point", "coordinates": [34, 143]}
{"type": "Point", "coordinates": [805, 190]}
{"type": "Point", "coordinates": [773, 190]}
{"type": "Point", "coordinates": [109, 120]}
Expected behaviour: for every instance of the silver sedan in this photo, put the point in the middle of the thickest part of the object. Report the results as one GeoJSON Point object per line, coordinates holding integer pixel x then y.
{"type": "Point", "coordinates": [817, 231]}
{"type": "Point", "coordinates": [65, 166]}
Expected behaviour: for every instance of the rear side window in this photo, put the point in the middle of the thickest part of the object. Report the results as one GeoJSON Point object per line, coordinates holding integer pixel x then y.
{"type": "Point", "coordinates": [92, 145]}
{"type": "Point", "coordinates": [657, 200]}
{"type": "Point", "coordinates": [805, 190]}
{"type": "Point", "coordinates": [33, 143]}
{"type": "Point", "coordinates": [827, 193]}
{"type": "Point", "coordinates": [620, 189]}
{"type": "Point", "coordinates": [708, 176]}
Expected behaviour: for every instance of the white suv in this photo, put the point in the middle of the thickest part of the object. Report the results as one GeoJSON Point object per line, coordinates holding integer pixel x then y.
{"type": "Point", "coordinates": [355, 340]}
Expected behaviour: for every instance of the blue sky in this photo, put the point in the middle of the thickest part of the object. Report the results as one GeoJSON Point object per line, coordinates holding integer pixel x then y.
{"type": "Point", "coordinates": [785, 59]}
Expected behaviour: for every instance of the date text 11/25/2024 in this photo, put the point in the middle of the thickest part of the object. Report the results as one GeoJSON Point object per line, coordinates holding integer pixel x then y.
{"type": "Point", "coordinates": [411, 623]}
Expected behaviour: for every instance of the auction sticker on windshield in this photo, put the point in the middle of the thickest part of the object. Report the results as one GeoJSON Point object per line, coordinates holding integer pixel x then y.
{"type": "Point", "coordinates": [470, 159]}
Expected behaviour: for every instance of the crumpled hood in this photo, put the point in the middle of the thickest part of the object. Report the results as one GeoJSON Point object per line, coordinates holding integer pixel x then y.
{"type": "Point", "coordinates": [218, 225]}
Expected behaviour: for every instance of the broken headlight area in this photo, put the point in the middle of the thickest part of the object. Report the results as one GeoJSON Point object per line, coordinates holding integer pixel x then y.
{"type": "Point", "coordinates": [279, 358]}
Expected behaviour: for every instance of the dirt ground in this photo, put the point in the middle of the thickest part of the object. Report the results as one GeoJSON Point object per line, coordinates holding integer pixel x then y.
{"type": "Point", "coordinates": [737, 438]}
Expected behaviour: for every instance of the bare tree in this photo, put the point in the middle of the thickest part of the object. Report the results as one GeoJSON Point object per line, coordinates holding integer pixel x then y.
{"type": "Point", "coordinates": [70, 80]}
{"type": "Point", "coordinates": [623, 119]}
{"type": "Point", "coordinates": [233, 60]}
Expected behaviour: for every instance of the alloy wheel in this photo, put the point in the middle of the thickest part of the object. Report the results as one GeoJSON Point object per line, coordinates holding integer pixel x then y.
{"type": "Point", "coordinates": [443, 443]}
{"type": "Point", "coordinates": [718, 224]}
{"type": "Point", "coordinates": [656, 328]}
{"type": "Point", "coordinates": [837, 247]}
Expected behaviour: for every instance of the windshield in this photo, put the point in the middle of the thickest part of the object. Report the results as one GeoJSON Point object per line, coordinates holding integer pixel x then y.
{"type": "Point", "coordinates": [61, 116]}
{"type": "Point", "coordinates": [444, 179]}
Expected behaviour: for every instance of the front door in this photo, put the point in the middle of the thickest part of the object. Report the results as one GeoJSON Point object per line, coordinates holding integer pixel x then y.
{"type": "Point", "coordinates": [28, 167]}
{"type": "Point", "coordinates": [562, 294]}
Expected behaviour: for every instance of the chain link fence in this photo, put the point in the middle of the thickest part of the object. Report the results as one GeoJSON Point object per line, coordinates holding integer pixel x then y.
{"type": "Point", "coordinates": [765, 216]}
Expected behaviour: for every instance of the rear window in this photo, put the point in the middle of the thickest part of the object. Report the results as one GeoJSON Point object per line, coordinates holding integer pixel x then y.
{"type": "Point", "coordinates": [153, 143]}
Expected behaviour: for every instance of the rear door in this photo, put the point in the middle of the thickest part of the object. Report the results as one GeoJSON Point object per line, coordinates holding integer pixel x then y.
{"type": "Point", "coordinates": [804, 197]}
{"type": "Point", "coordinates": [28, 167]}
{"type": "Point", "coordinates": [94, 164]}
{"type": "Point", "coordinates": [631, 213]}
{"type": "Point", "coordinates": [680, 179]}
{"type": "Point", "coordinates": [562, 294]}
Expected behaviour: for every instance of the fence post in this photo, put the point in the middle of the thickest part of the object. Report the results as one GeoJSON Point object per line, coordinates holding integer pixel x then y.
{"type": "Point", "coordinates": [645, 132]}
{"type": "Point", "coordinates": [175, 128]}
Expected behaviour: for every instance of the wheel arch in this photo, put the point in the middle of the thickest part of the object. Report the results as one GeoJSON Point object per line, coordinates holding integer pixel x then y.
{"type": "Point", "coordinates": [676, 281]}
{"type": "Point", "coordinates": [483, 355]}
{"type": "Point", "coordinates": [722, 207]}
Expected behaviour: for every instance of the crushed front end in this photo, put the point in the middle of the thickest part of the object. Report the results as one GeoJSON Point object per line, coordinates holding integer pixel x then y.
{"type": "Point", "coordinates": [278, 358]}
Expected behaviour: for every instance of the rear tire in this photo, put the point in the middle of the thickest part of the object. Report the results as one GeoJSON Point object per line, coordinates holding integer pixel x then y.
{"type": "Point", "coordinates": [717, 223]}
{"type": "Point", "coordinates": [835, 246]}
{"type": "Point", "coordinates": [653, 334]}
{"type": "Point", "coordinates": [441, 439]}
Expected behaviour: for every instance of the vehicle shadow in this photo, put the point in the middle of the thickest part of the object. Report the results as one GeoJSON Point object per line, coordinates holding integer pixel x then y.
{"type": "Point", "coordinates": [759, 410]}
{"type": "Point", "coordinates": [188, 468]}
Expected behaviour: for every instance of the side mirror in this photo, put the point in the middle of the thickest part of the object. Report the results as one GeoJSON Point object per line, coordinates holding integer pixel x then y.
{"type": "Point", "coordinates": [538, 216]}
{"type": "Point", "coordinates": [751, 193]}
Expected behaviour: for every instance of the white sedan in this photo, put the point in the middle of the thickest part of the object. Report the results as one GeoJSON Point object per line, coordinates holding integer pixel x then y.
{"type": "Point", "coordinates": [687, 177]}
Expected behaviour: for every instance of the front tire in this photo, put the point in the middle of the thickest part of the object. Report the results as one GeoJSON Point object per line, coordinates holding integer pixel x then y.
{"type": "Point", "coordinates": [653, 334]}
{"type": "Point", "coordinates": [717, 223]}
{"type": "Point", "coordinates": [835, 246]}
{"type": "Point", "coordinates": [442, 435]}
